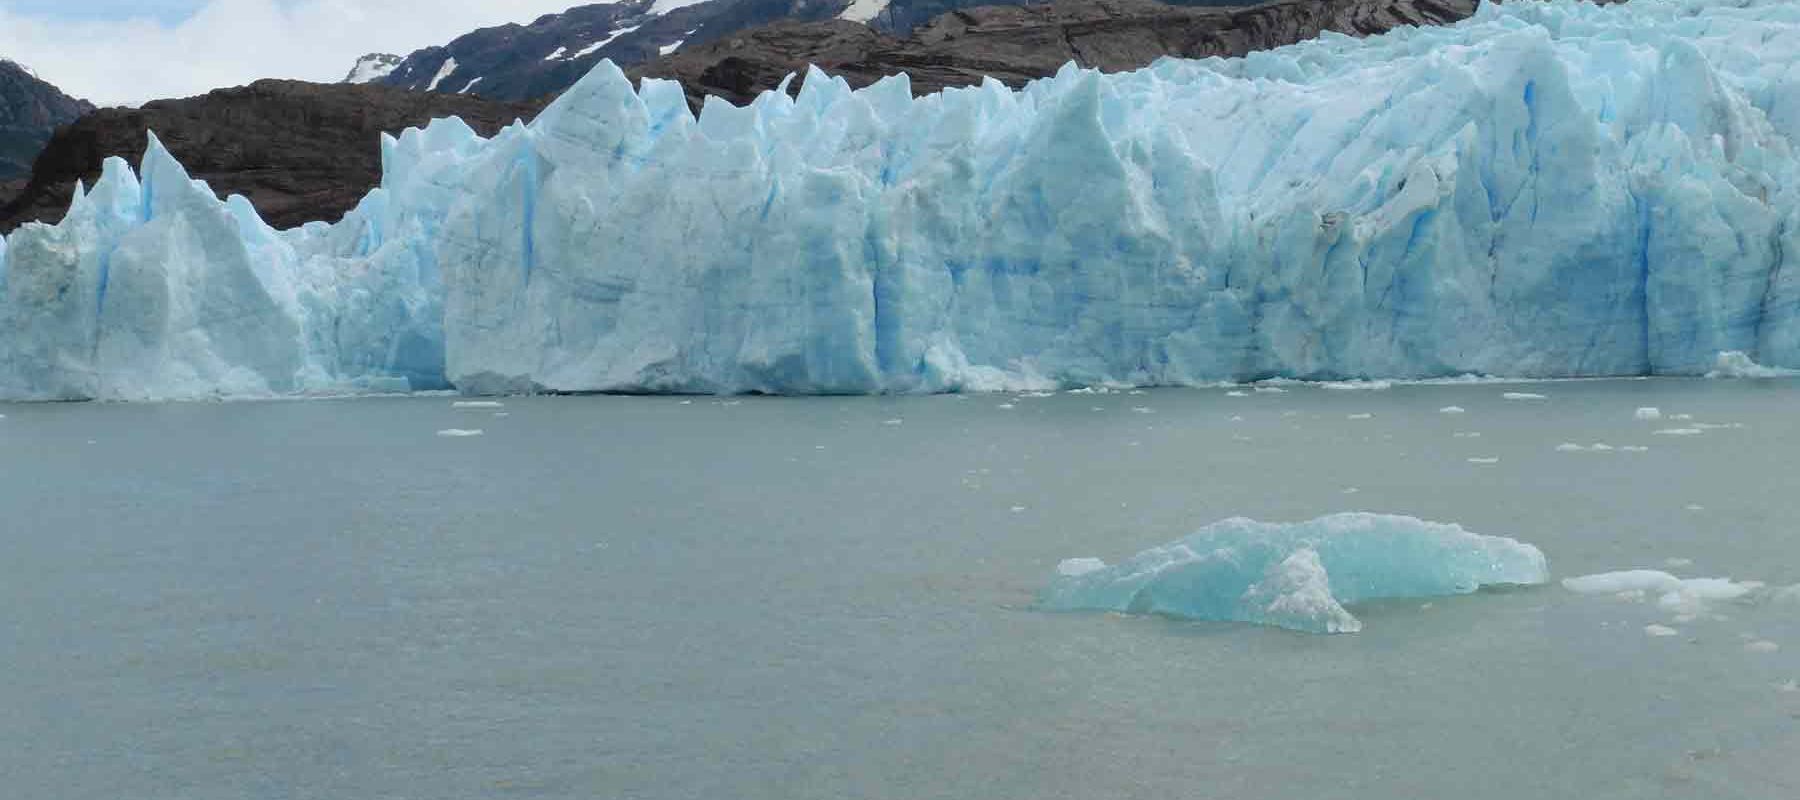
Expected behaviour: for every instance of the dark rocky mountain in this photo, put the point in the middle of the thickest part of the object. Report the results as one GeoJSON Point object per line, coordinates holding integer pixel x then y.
{"type": "Point", "coordinates": [1016, 44]}
{"type": "Point", "coordinates": [299, 151]}
{"type": "Point", "coordinates": [550, 54]}
{"type": "Point", "coordinates": [525, 61]}
{"type": "Point", "coordinates": [30, 111]}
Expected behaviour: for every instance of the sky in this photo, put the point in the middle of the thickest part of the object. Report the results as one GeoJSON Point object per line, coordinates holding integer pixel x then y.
{"type": "Point", "coordinates": [124, 52]}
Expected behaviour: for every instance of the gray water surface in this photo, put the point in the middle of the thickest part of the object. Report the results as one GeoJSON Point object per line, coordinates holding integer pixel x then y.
{"type": "Point", "coordinates": [614, 597]}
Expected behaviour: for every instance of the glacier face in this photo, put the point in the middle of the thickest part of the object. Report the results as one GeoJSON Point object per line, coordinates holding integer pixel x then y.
{"type": "Point", "coordinates": [1547, 189]}
{"type": "Point", "coordinates": [1297, 576]}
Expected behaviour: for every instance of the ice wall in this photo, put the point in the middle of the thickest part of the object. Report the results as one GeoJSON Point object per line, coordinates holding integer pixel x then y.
{"type": "Point", "coordinates": [1547, 189]}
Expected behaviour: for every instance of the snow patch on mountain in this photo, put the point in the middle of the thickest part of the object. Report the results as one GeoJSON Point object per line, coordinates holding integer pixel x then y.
{"type": "Point", "coordinates": [445, 71]}
{"type": "Point", "coordinates": [661, 7]}
{"type": "Point", "coordinates": [592, 48]}
{"type": "Point", "coordinates": [372, 67]}
{"type": "Point", "coordinates": [864, 10]}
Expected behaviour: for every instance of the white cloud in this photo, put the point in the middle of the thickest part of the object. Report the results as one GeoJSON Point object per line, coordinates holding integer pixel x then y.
{"type": "Point", "coordinates": [234, 42]}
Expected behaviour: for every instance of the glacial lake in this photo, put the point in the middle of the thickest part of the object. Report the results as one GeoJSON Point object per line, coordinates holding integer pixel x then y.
{"type": "Point", "coordinates": [661, 597]}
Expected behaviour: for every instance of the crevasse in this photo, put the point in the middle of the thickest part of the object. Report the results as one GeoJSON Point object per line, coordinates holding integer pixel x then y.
{"type": "Point", "coordinates": [1547, 189]}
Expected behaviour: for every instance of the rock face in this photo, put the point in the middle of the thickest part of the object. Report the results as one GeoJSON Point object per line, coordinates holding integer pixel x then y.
{"type": "Point", "coordinates": [298, 151]}
{"type": "Point", "coordinates": [1016, 44]}
{"type": "Point", "coordinates": [30, 111]}
{"type": "Point", "coordinates": [517, 62]}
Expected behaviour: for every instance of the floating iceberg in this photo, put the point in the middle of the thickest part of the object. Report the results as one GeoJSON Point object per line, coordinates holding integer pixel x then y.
{"type": "Point", "coordinates": [1546, 189]}
{"type": "Point", "coordinates": [1298, 576]}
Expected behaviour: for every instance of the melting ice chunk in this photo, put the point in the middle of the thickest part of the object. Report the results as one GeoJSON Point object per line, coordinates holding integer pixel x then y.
{"type": "Point", "coordinates": [1298, 576]}
{"type": "Point", "coordinates": [1453, 410]}
{"type": "Point", "coordinates": [1673, 594]}
{"type": "Point", "coordinates": [1738, 364]}
{"type": "Point", "coordinates": [1649, 413]}
{"type": "Point", "coordinates": [458, 433]}
{"type": "Point", "coordinates": [469, 404]}
{"type": "Point", "coordinates": [1524, 396]}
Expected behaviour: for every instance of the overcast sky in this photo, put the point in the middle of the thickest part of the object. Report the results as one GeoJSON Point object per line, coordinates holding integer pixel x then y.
{"type": "Point", "coordinates": [129, 51]}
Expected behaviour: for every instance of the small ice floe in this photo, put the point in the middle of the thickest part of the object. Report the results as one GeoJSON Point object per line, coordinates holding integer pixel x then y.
{"type": "Point", "coordinates": [477, 404]}
{"type": "Point", "coordinates": [460, 433]}
{"type": "Point", "coordinates": [1453, 410]}
{"type": "Point", "coordinates": [1467, 434]}
{"type": "Point", "coordinates": [687, 402]}
{"type": "Point", "coordinates": [1077, 567]}
{"type": "Point", "coordinates": [1681, 595]}
{"type": "Point", "coordinates": [1361, 416]}
{"type": "Point", "coordinates": [1018, 509]}
{"type": "Point", "coordinates": [1038, 395]}
{"type": "Point", "coordinates": [1524, 396]}
{"type": "Point", "coordinates": [1720, 426]}
{"type": "Point", "coordinates": [1679, 432]}
{"type": "Point", "coordinates": [894, 421]}
{"type": "Point", "coordinates": [1654, 629]}
{"type": "Point", "coordinates": [1241, 438]}
{"type": "Point", "coordinates": [1358, 386]}
{"type": "Point", "coordinates": [1678, 562]}
{"type": "Point", "coordinates": [1006, 406]}
{"type": "Point", "coordinates": [1597, 447]}
{"type": "Point", "coordinates": [1237, 418]}
{"type": "Point", "coordinates": [1235, 393]}
{"type": "Point", "coordinates": [1270, 390]}
{"type": "Point", "coordinates": [1649, 413]}
{"type": "Point", "coordinates": [1634, 448]}
{"type": "Point", "coordinates": [1681, 417]}
{"type": "Point", "coordinates": [501, 415]}
{"type": "Point", "coordinates": [1790, 595]}
{"type": "Point", "coordinates": [1788, 687]}
{"type": "Point", "coordinates": [1351, 490]}
{"type": "Point", "coordinates": [1761, 646]}
{"type": "Point", "coordinates": [1484, 461]}
{"type": "Point", "coordinates": [1098, 408]}
{"type": "Point", "coordinates": [1142, 410]}
{"type": "Point", "coordinates": [1694, 507]}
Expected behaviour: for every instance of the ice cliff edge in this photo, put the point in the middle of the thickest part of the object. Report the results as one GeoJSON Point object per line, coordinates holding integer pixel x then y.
{"type": "Point", "coordinates": [1547, 189]}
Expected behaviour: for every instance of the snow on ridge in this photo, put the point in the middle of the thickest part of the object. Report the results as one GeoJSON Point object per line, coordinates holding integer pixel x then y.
{"type": "Point", "coordinates": [556, 54]}
{"type": "Point", "coordinates": [590, 49]}
{"type": "Point", "coordinates": [445, 71]}
{"type": "Point", "coordinates": [471, 85]}
{"type": "Point", "coordinates": [864, 10]}
{"type": "Point", "coordinates": [661, 7]}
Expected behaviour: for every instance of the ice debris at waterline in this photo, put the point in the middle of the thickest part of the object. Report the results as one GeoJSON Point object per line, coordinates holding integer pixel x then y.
{"type": "Point", "coordinates": [1298, 576]}
{"type": "Point", "coordinates": [1546, 189]}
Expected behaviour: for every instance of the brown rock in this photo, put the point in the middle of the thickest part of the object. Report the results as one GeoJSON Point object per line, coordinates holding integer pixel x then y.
{"type": "Point", "coordinates": [299, 151]}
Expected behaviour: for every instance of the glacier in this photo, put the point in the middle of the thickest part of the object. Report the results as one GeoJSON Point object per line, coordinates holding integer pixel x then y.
{"type": "Point", "coordinates": [1548, 189]}
{"type": "Point", "coordinates": [1297, 576]}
